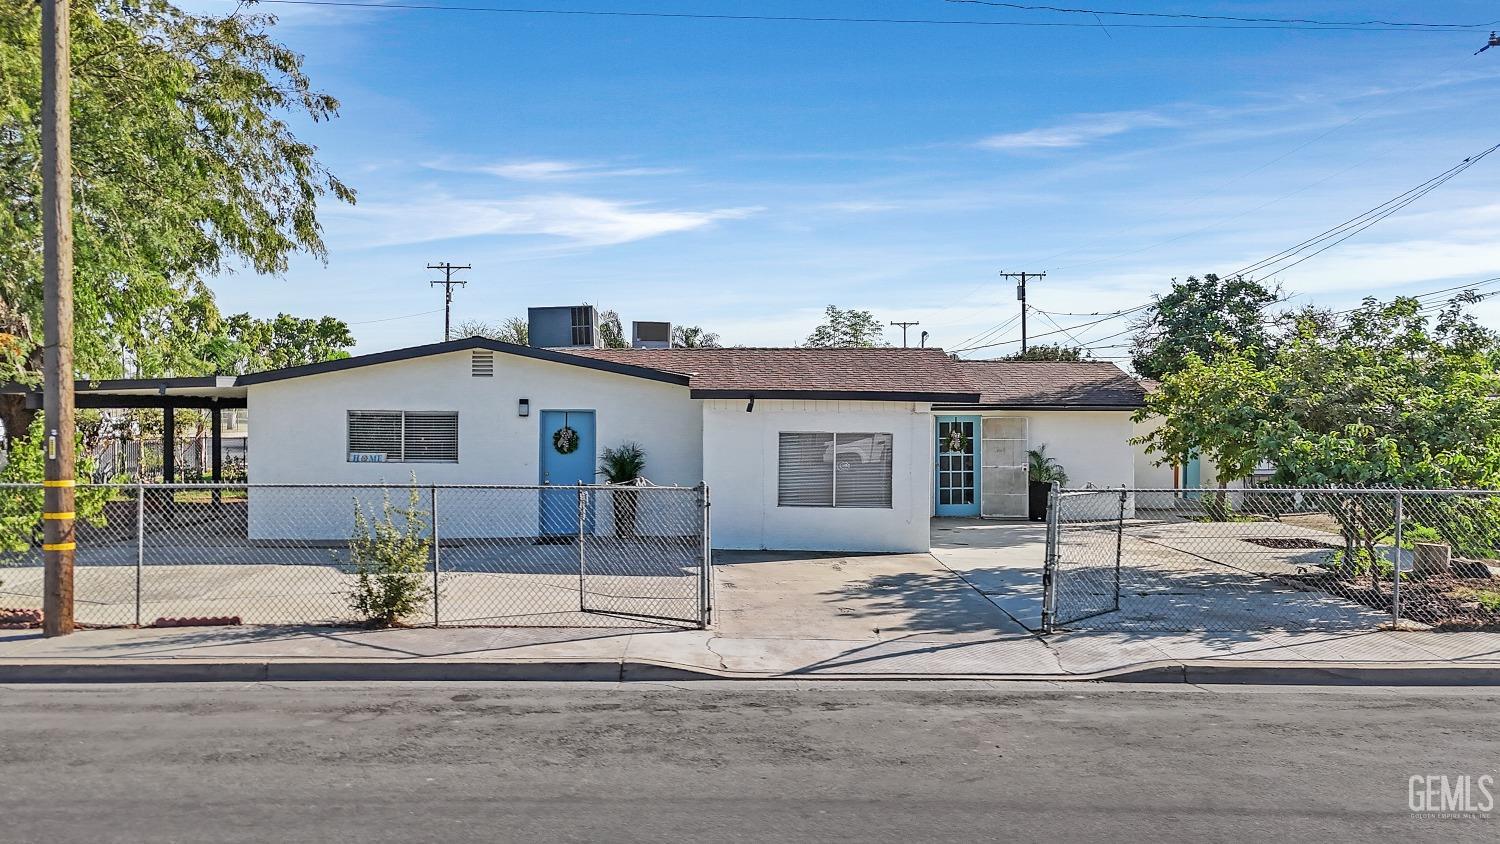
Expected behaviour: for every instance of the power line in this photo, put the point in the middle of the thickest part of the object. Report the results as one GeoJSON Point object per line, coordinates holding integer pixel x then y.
{"type": "Point", "coordinates": [1186, 15]}
{"type": "Point", "coordinates": [1324, 241]}
{"type": "Point", "coordinates": [621, 13]}
{"type": "Point", "coordinates": [393, 318]}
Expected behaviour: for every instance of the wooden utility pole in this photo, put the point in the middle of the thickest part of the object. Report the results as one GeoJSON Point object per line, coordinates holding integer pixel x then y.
{"type": "Point", "coordinates": [58, 542]}
{"type": "Point", "coordinates": [904, 326]}
{"type": "Point", "coordinates": [448, 283]}
{"type": "Point", "coordinates": [1021, 295]}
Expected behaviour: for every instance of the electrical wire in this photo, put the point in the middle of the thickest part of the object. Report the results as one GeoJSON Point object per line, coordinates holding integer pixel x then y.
{"type": "Point", "coordinates": [622, 13]}
{"type": "Point", "coordinates": [1235, 18]}
{"type": "Point", "coordinates": [394, 318]}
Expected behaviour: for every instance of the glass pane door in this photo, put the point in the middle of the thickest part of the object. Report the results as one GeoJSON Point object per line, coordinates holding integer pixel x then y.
{"type": "Point", "coordinates": [957, 476]}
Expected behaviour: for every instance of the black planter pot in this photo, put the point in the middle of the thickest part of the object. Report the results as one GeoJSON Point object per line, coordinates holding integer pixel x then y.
{"type": "Point", "coordinates": [1039, 492]}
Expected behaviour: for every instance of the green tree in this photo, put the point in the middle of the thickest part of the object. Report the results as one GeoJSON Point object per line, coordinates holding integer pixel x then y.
{"type": "Point", "coordinates": [1052, 352]}
{"type": "Point", "coordinates": [1382, 396]}
{"type": "Point", "coordinates": [246, 344]}
{"type": "Point", "coordinates": [847, 329]}
{"type": "Point", "coordinates": [1217, 411]}
{"type": "Point", "coordinates": [693, 337]}
{"type": "Point", "coordinates": [1195, 315]}
{"type": "Point", "coordinates": [612, 331]}
{"type": "Point", "coordinates": [184, 163]}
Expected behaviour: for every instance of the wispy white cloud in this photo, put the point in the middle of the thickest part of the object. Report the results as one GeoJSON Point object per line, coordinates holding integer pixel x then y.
{"type": "Point", "coordinates": [550, 170]}
{"type": "Point", "coordinates": [1078, 131]}
{"type": "Point", "coordinates": [579, 220]}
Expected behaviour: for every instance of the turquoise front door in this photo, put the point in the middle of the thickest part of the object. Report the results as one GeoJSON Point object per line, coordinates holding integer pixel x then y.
{"type": "Point", "coordinates": [567, 459]}
{"type": "Point", "coordinates": [1192, 478]}
{"type": "Point", "coordinates": [957, 487]}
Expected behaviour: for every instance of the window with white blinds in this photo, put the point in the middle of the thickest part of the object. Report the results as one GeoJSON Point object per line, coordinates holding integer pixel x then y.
{"type": "Point", "coordinates": [403, 436]}
{"type": "Point", "coordinates": [833, 470]}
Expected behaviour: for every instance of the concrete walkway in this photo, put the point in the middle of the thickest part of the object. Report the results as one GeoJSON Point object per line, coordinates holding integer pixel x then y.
{"type": "Point", "coordinates": [960, 612]}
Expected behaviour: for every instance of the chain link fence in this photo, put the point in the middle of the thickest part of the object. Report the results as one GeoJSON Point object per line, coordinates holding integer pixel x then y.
{"type": "Point", "coordinates": [573, 556]}
{"type": "Point", "coordinates": [1272, 558]}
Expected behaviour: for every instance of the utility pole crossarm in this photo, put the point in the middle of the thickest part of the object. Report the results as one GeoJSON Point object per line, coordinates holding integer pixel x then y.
{"type": "Point", "coordinates": [448, 282]}
{"type": "Point", "coordinates": [1021, 279]}
{"type": "Point", "coordinates": [904, 326]}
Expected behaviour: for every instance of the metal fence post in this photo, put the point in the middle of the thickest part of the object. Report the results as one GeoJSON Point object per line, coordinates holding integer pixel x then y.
{"type": "Point", "coordinates": [437, 558]}
{"type": "Point", "coordinates": [1396, 566]}
{"type": "Point", "coordinates": [705, 565]}
{"type": "Point", "coordinates": [140, 546]}
{"type": "Point", "coordinates": [1119, 544]}
{"type": "Point", "coordinates": [1049, 567]}
{"type": "Point", "coordinates": [582, 517]}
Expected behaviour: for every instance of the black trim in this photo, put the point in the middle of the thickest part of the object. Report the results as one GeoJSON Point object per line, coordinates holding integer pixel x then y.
{"type": "Point", "coordinates": [464, 344]}
{"type": "Point", "coordinates": [836, 395]}
{"type": "Point", "coordinates": [82, 385]}
{"type": "Point", "coordinates": [1115, 407]}
{"type": "Point", "coordinates": [114, 401]}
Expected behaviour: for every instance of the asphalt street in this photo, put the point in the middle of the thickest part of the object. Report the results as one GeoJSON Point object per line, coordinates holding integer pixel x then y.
{"type": "Point", "coordinates": [716, 762]}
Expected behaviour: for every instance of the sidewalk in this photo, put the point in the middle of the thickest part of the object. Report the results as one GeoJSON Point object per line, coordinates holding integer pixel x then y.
{"type": "Point", "coordinates": [778, 616]}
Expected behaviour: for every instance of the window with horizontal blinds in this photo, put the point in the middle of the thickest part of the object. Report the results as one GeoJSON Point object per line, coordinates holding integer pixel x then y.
{"type": "Point", "coordinates": [374, 435]}
{"type": "Point", "coordinates": [862, 470]}
{"type": "Point", "coordinates": [431, 437]}
{"type": "Point", "coordinates": [804, 475]}
{"type": "Point", "coordinates": [834, 470]}
{"type": "Point", "coordinates": [403, 436]}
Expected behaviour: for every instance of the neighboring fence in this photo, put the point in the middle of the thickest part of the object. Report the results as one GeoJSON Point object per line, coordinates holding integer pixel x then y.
{"type": "Point", "coordinates": [595, 556]}
{"type": "Point", "coordinates": [1272, 558]}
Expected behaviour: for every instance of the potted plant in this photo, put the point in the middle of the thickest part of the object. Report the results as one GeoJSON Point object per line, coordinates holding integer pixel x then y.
{"type": "Point", "coordinates": [622, 465]}
{"type": "Point", "coordinates": [1043, 470]}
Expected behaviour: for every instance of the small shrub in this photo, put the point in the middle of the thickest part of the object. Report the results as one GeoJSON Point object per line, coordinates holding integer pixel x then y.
{"type": "Point", "coordinates": [1488, 599]}
{"type": "Point", "coordinates": [390, 562]}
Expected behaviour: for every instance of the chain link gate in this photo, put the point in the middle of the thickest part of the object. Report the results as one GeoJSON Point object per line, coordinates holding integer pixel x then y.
{"type": "Point", "coordinates": [1299, 559]}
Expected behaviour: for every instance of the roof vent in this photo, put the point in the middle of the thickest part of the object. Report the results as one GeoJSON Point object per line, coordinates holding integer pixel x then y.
{"type": "Point", "coordinates": [482, 365]}
{"type": "Point", "coordinates": [651, 335]}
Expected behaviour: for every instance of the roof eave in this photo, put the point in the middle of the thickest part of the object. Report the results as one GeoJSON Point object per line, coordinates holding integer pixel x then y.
{"type": "Point", "coordinates": [465, 344]}
{"type": "Point", "coordinates": [1035, 406]}
{"type": "Point", "coordinates": [838, 395]}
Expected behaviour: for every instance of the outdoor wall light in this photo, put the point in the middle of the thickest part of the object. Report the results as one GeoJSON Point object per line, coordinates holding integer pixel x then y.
{"type": "Point", "coordinates": [523, 408]}
{"type": "Point", "coordinates": [750, 408]}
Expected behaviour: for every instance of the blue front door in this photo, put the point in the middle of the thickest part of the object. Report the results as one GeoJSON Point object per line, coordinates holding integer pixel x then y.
{"type": "Point", "coordinates": [1192, 478]}
{"type": "Point", "coordinates": [567, 460]}
{"type": "Point", "coordinates": [957, 466]}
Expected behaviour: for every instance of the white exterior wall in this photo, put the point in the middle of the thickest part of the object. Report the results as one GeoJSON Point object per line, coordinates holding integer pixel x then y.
{"type": "Point", "coordinates": [1092, 445]}
{"type": "Point", "coordinates": [301, 437]}
{"type": "Point", "coordinates": [740, 453]}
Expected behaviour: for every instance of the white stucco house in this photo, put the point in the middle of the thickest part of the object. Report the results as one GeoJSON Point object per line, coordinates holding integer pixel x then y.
{"type": "Point", "coordinates": [801, 448]}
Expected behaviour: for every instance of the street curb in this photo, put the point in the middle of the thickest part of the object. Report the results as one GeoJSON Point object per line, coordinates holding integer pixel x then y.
{"type": "Point", "coordinates": [1307, 674]}
{"type": "Point", "coordinates": [251, 671]}
{"type": "Point", "coordinates": [611, 671]}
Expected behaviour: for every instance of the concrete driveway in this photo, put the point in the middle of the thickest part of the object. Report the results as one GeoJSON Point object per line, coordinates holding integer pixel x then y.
{"type": "Point", "coordinates": [864, 612]}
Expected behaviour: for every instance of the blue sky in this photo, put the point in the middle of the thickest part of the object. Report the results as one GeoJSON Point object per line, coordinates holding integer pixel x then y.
{"type": "Point", "coordinates": [743, 175]}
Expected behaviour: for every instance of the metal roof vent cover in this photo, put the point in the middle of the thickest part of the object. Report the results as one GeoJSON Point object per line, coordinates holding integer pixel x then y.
{"type": "Point", "coordinates": [482, 364]}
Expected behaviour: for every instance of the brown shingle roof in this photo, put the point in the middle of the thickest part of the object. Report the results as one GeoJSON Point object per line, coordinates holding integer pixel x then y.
{"type": "Point", "coordinates": [1052, 384]}
{"type": "Point", "coordinates": [885, 373]}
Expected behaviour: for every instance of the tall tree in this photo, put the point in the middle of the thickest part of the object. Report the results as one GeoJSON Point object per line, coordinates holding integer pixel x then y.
{"type": "Point", "coordinates": [693, 337]}
{"type": "Point", "coordinates": [847, 328]}
{"type": "Point", "coordinates": [184, 163]}
{"type": "Point", "coordinates": [1193, 317]}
